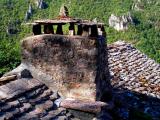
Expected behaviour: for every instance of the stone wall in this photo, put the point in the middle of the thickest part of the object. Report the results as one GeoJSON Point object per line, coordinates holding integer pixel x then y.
{"type": "Point", "coordinates": [70, 65]}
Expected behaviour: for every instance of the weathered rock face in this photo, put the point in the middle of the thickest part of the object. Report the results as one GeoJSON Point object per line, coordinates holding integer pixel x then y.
{"type": "Point", "coordinates": [29, 13]}
{"type": "Point", "coordinates": [64, 11]}
{"type": "Point", "coordinates": [73, 66]}
{"type": "Point", "coordinates": [120, 23]}
{"type": "Point", "coordinates": [138, 5]}
{"type": "Point", "coordinates": [41, 4]}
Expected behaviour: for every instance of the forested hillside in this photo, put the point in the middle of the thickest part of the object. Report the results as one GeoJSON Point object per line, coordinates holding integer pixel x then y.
{"type": "Point", "coordinates": [144, 33]}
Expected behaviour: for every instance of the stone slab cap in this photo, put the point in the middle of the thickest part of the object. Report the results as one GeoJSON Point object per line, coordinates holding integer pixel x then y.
{"type": "Point", "coordinates": [56, 21]}
{"type": "Point", "coordinates": [33, 23]}
{"type": "Point", "coordinates": [90, 23]}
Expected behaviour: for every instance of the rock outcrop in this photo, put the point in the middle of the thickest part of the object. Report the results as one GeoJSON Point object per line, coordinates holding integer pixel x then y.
{"type": "Point", "coordinates": [41, 4]}
{"type": "Point", "coordinates": [30, 9]}
{"type": "Point", "coordinates": [29, 13]}
{"type": "Point", "coordinates": [138, 5]}
{"type": "Point", "coordinates": [63, 13]}
{"type": "Point", "coordinates": [120, 23]}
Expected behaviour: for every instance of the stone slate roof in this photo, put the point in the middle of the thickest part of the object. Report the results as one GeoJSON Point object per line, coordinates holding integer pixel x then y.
{"type": "Point", "coordinates": [133, 70]}
{"type": "Point", "coordinates": [26, 99]}
{"type": "Point", "coordinates": [132, 74]}
{"type": "Point", "coordinates": [135, 78]}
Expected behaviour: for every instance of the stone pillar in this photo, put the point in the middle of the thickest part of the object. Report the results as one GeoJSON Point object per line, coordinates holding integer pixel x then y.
{"type": "Point", "coordinates": [85, 30]}
{"type": "Point", "coordinates": [79, 32]}
{"type": "Point", "coordinates": [103, 31]}
{"type": "Point", "coordinates": [48, 29]}
{"type": "Point", "coordinates": [59, 29]}
{"type": "Point", "coordinates": [36, 29]}
{"type": "Point", "coordinates": [94, 31]}
{"type": "Point", "coordinates": [71, 29]}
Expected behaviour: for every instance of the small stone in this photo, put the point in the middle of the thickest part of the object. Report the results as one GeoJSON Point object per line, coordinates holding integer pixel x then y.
{"type": "Point", "coordinates": [45, 106]}
{"type": "Point", "coordinates": [54, 96]}
{"type": "Point", "coordinates": [137, 85]}
{"type": "Point", "coordinates": [38, 112]}
{"type": "Point", "coordinates": [26, 107]}
{"type": "Point", "coordinates": [22, 99]}
{"type": "Point", "coordinates": [144, 92]}
{"type": "Point", "coordinates": [14, 103]}
{"type": "Point", "coordinates": [121, 83]}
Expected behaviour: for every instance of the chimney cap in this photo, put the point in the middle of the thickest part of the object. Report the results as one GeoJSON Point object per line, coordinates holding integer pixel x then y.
{"type": "Point", "coordinates": [56, 21]}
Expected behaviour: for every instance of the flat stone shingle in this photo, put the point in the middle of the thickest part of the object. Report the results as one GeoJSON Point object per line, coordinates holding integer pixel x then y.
{"type": "Point", "coordinates": [137, 80]}
{"type": "Point", "coordinates": [27, 99]}
{"type": "Point", "coordinates": [127, 64]}
{"type": "Point", "coordinates": [17, 87]}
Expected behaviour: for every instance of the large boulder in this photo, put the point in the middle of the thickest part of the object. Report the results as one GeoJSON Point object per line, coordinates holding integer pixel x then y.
{"type": "Point", "coordinates": [121, 22]}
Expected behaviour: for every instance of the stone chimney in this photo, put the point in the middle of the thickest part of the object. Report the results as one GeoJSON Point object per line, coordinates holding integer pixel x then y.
{"type": "Point", "coordinates": [72, 66]}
